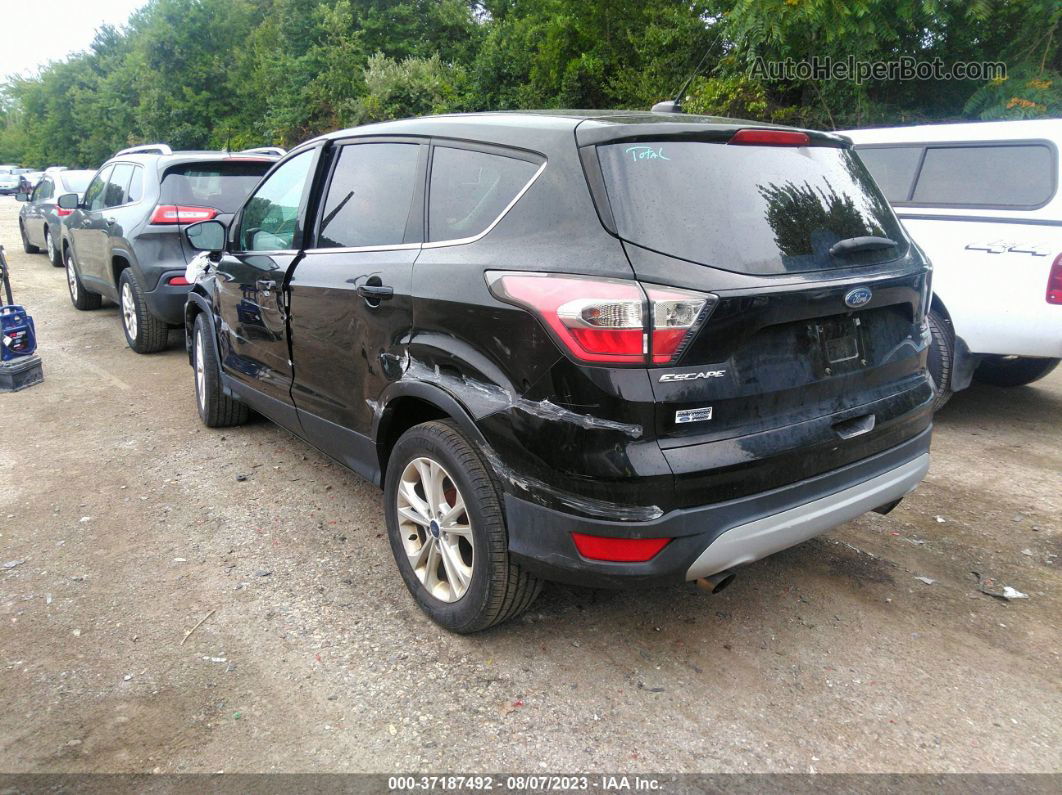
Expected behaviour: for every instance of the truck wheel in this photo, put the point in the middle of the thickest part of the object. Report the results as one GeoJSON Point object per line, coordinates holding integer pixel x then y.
{"type": "Point", "coordinates": [1013, 370]}
{"type": "Point", "coordinates": [54, 255]}
{"type": "Point", "coordinates": [144, 332]}
{"type": "Point", "coordinates": [80, 297]}
{"type": "Point", "coordinates": [941, 357]}
{"type": "Point", "coordinates": [216, 409]}
{"type": "Point", "coordinates": [448, 534]}
{"type": "Point", "coordinates": [25, 240]}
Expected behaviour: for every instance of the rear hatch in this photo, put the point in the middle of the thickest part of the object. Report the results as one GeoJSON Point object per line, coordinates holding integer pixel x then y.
{"type": "Point", "coordinates": [812, 353]}
{"type": "Point", "coordinates": [205, 189]}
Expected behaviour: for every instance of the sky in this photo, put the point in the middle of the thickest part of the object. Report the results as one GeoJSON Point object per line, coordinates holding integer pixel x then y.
{"type": "Point", "coordinates": [35, 32]}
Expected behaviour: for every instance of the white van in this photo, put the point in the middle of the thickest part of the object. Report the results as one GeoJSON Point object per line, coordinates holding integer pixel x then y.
{"type": "Point", "coordinates": [983, 201]}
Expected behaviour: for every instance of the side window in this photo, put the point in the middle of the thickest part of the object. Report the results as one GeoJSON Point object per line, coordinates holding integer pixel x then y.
{"type": "Point", "coordinates": [893, 168]}
{"type": "Point", "coordinates": [118, 185]}
{"type": "Point", "coordinates": [370, 195]}
{"type": "Point", "coordinates": [94, 192]}
{"type": "Point", "coordinates": [997, 176]}
{"type": "Point", "coordinates": [271, 217]}
{"type": "Point", "coordinates": [136, 185]}
{"type": "Point", "coordinates": [470, 189]}
{"type": "Point", "coordinates": [40, 193]}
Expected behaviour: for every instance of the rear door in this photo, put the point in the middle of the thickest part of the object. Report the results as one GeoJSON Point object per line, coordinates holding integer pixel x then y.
{"type": "Point", "coordinates": [808, 351]}
{"type": "Point", "coordinates": [351, 294]}
{"type": "Point", "coordinates": [249, 285]}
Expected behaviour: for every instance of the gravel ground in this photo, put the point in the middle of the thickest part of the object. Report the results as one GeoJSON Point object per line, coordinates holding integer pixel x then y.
{"type": "Point", "coordinates": [127, 523]}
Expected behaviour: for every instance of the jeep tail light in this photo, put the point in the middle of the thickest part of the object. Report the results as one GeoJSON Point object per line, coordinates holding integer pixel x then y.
{"type": "Point", "coordinates": [178, 281]}
{"type": "Point", "coordinates": [1054, 282]}
{"type": "Point", "coordinates": [618, 550]}
{"type": "Point", "coordinates": [597, 320]}
{"type": "Point", "coordinates": [770, 138]}
{"type": "Point", "coordinates": [181, 214]}
{"type": "Point", "coordinates": [608, 320]}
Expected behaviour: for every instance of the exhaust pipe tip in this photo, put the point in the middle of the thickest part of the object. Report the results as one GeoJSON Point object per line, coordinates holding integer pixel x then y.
{"type": "Point", "coordinates": [888, 507]}
{"type": "Point", "coordinates": [714, 583]}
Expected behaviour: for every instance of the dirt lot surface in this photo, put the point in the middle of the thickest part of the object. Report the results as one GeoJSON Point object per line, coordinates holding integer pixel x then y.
{"type": "Point", "coordinates": [125, 522]}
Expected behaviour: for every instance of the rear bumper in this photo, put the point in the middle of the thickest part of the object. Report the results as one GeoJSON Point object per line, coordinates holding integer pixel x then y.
{"type": "Point", "coordinates": [166, 302]}
{"type": "Point", "coordinates": [711, 538]}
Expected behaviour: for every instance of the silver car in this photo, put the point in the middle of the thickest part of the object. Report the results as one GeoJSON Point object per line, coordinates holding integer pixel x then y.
{"type": "Point", "coordinates": [40, 217]}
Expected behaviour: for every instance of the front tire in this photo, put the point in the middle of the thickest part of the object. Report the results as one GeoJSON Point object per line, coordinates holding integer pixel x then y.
{"type": "Point", "coordinates": [144, 332]}
{"type": "Point", "coordinates": [216, 409]}
{"type": "Point", "coordinates": [29, 249]}
{"type": "Point", "coordinates": [80, 297]}
{"type": "Point", "coordinates": [54, 255]}
{"type": "Point", "coordinates": [941, 357]}
{"type": "Point", "coordinates": [447, 531]}
{"type": "Point", "coordinates": [1013, 370]}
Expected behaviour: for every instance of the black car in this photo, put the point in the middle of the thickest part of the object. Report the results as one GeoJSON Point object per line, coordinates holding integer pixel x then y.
{"type": "Point", "coordinates": [40, 218]}
{"type": "Point", "coordinates": [122, 241]}
{"type": "Point", "coordinates": [608, 349]}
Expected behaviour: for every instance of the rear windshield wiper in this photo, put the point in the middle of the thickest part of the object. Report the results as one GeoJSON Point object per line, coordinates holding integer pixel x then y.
{"type": "Point", "coordinates": [853, 244]}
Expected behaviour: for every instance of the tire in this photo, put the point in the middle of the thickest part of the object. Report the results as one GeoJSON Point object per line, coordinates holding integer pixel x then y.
{"type": "Point", "coordinates": [144, 332]}
{"type": "Point", "coordinates": [80, 297]}
{"type": "Point", "coordinates": [941, 357]}
{"type": "Point", "coordinates": [216, 409]}
{"type": "Point", "coordinates": [490, 588]}
{"type": "Point", "coordinates": [1013, 370]}
{"type": "Point", "coordinates": [55, 256]}
{"type": "Point", "coordinates": [29, 249]}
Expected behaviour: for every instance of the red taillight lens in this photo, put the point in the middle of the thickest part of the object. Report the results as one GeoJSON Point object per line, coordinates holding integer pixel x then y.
{"type": "Point", "coordinates": [597, 320]}
{"type": "Point", "coordinates": [1054, 282]}
{"type": "Point", "coordinates": [770, 138]}
{"type": "Point", "coordinates": [618, 550]}
{"type": "Point", "coordinates": [607, 320]}
{"type": "Point", "coordinates": [178, 281]}
{"type": "Point", "coordinates": [180, 214]}
{"type": "Point", "coordinates": [62, 213]}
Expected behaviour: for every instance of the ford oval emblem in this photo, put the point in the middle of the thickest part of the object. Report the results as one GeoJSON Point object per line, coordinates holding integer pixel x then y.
{"type": "Point", "coordinates": [858, 297]}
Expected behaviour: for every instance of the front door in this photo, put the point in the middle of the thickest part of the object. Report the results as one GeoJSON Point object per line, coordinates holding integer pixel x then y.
{"type": "Point", "coordinates": [88, 232]}
{"type": "Point", "coordinates": [351, 305]}
{"type": "Point", "coordinates": [249, 286]}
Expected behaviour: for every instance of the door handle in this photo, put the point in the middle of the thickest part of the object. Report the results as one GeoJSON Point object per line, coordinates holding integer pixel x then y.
{"type": "Point", "coordinates": [266, 285]}
{"type": "Point", "coordinates": [376, 292]}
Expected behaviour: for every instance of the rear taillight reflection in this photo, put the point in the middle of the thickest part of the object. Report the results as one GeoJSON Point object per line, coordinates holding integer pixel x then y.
{"type": "Point", "coordinates": [1054, 282]}
{"type": "Point", "coordinates": [178, 281]}
{"type": "Point", "coordinates": [607, 320]}
{"type": "Point", "coordinates": [618, 550]}
{"type": "Point", "coordinates": [62, 212]}
{"type": "Point", "coordinates": [181, 214]}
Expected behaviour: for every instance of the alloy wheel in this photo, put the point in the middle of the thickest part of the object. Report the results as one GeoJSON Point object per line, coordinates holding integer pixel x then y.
{"type": "Point", "coordinates": [200, 371]}
{"type": "Point", "coordinates": [50, 244]}
{"type": "Point", "coordinates": [71, 278]}
{"type": "Point", "coordinates": [435, 528]}
{"type": "Point", "coordinates": [129, 311]}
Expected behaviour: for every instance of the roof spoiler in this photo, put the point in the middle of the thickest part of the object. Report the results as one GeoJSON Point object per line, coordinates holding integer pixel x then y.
{"type": "Point", "coordinates": [146, 149]}
{"type": "Point", "coordinates": [272, 151]}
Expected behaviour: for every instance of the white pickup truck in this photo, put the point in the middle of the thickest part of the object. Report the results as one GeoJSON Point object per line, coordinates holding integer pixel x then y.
{"type": "Point", "coordinates": [983, 201]}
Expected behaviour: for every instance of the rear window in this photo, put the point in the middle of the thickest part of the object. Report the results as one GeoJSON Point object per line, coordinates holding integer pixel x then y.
{"type": "Point", "coordinates": [1019, 176]}
{"type": "Point", "coordinates": [222, 186]}
{"type": "Point", "coordinates": [748, 209]}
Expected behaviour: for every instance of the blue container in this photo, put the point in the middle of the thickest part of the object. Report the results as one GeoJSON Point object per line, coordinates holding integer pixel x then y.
{"type": "Point", "coordinates": [17, 337]}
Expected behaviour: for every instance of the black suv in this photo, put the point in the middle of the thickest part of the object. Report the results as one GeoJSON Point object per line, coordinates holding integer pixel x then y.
{"type": "Point", "coordinates": [610, 349]}
{"type": "Point", "coordinates": [123, 240]}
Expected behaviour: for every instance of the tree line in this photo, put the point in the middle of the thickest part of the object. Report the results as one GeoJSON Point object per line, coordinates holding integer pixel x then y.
{"type": "Point", "coordinates": [238, 73]}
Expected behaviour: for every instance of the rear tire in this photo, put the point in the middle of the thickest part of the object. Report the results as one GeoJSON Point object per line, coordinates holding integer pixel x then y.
{"type": "Point", "coordinates": [1013, 370]}
{"type": "Point", "coordinates": [490, 588]}
{"type": "Point", "coordinates": [216, 409]}
{"type": "Point", "coordinates": [54, 255]}
{"type": "Point", "coordinates": [29, 249]}
{"type": "Point", "coordinates": [80, 297]}
{"type": "Point", "coordinates": [144, 332]}
{"type": "Point", "coordinates": [941, 357]}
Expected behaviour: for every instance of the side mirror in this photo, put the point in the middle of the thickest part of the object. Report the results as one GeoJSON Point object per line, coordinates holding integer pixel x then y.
{"type": "Point", "coordinates": [68, 201]}
{"type": "Point", "coordinates": [206, 236]}
{"type": "Point", "coordinates": [22, 197]}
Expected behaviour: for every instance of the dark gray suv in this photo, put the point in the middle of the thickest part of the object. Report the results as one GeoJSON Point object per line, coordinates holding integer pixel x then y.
{"type": "Point", "coordinates": [40, 218]}
{"type": "Point", "coordinates": [122, 240]}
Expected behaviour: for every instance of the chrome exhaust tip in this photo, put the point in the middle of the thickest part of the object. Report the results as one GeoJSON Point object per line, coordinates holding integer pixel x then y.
{"type": "Point", "coordinates": [714, 583]}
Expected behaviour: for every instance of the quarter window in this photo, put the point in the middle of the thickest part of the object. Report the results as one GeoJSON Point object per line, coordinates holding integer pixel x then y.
{"type": "Point", "coordinates": [470, 189]}
{"type": "Point", "coordinates": [271, 218]}
{"type": "Point", "coordinates": [893, 168]}
{"type": "Point", "coordinates": [1020, 175]}
{"type": "Point", "coordinates": [136, 185]}
{"type": "Point", "coordinates": [370, 196]}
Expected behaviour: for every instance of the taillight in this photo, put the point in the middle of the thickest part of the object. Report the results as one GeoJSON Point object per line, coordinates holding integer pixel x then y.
{"type": "Point", "coordinates": [770, 138]}
{"type": "Point", "coordinates": [607, 320]}
{"type": "Point", "coordinates": [178, 281]}
{"type": "Point", "coordinates": [180, 214]}
{"type": "Point", "coordinates": [618, 550]}
{"type": "Point", "coordinates": [1054, 282]}
{"type": "Point", "coordinates": [62, 213]}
